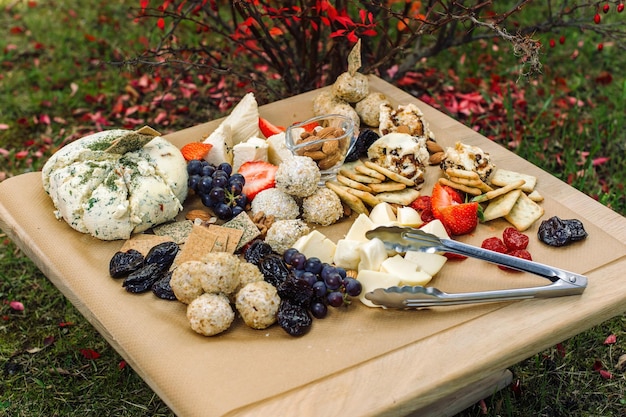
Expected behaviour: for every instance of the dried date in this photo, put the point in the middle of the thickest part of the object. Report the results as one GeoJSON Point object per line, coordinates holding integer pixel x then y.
{"type": "Point", "coordinates": [162, 289]}
{"type": "Point", "coordinates": [124, 263]}
{"type": "Point", "coordinates": [162, 255]}
{"type": "Point", "coordinates": [296, 290]}
{"type": "Point", "coordinates": [274, 269]}
{"type": "Point", "coordinates": [558, 232]}
{"type": "Point", "coordinates": [257, 251]}
{"type": "Point", "coordinates": [143, 279]}
{"type": "Point", "coordinates": [293, 319]}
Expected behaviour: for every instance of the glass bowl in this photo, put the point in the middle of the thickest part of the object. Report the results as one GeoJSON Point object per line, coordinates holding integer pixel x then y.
{"type": "Point", "coordinates": [327, 144]}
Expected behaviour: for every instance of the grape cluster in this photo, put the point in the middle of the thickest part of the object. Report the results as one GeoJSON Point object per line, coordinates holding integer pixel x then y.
{"type": "Point", "coordinates": [218, 188]}
{"type": "Point", "coordinates": [330, 284]}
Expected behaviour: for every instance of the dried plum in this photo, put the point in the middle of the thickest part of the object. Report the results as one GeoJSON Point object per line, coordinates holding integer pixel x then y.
{"type": "Point", "coordinates": [296, 290]}
{"type": "Point", "coordinates": [257, 251]}
{"type": "Point", "coordinates": [162, 289]}
{"type": "Point", "coordinates": [142, 279]}
{"type": "Point", "coordinates": [162, 255]}
{"type": "Point", "coordinates": [274, 269]}
{"type": "Point", "coordinates": [123, 263]}
{"type": "Point", "coordinates": [558, 232]}
{"type": "Point", "coordinates": [362, 144]}
{"type": "Point", "coordinates": [293, 319]}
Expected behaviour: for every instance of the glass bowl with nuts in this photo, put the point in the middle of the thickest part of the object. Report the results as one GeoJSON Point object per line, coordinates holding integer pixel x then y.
{"type": "Point", "coordinates": [327, 143]}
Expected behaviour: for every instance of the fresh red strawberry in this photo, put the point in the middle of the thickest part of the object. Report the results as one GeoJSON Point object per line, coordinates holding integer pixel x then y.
{"type": "Point", "coordinates": [443, 196]}
{"type": "Point", "coordinates": [268, 129]}
{"type": "Point", "coordinates": [195, 150]}
{"type": "Point", "coordinates": [459, 218]}
{"type": "Point", "coordinates": [259, 175]}
{"type": "Point", "coordinates": [310, 126]}
{"type": "Point", "coordinates": [423, 206]}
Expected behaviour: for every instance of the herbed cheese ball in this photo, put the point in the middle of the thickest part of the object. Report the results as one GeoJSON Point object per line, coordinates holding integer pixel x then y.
{"type": "Point", "coordinates": [351, 88]}
{"type": "Point", "coordinates": [323, 207]}
{"type": "Point", "coordinates": [221, 273]}
{"type": "Point", "coordinates": [284, 233]}
{"type": "Point", "coordinates": [210, 314]}
{"type": "Point", "coordinates": [298, 176]}
{"type": "Point", "coordinates": [277, 203]}
{"type": "Point", "coordinates": [258, 304]}
{"type": "Point", "coordinates": [186, 281]}
{"type": "Point", "coordinates": [368, 109]}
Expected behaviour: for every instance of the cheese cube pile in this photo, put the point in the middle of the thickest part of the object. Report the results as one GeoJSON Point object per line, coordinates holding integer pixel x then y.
{"type": "Point", "coordinates": [377, 267]}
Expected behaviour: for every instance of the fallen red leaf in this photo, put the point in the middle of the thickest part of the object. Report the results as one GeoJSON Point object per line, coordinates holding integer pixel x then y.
{"type": "Point", "coordinates": [606, 374]}
{"type": "Point", "coordinates": [16, 305]}
{"type": "Point", "coordinates": [89, 354]}
{"type": "Point", "coordinates": [610, 340]}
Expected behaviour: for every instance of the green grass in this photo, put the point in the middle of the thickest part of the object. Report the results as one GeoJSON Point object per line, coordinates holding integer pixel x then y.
{"type": "Point", "coordinates": [55, 379]}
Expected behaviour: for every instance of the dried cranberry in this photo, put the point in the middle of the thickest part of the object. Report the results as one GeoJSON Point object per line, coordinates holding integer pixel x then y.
{"type": "Point", "coordinates": [513, 239]}
{"type": "Point", "coordinates": [519, 253]}
{"type": "Point", "coordinates": [494, 244]}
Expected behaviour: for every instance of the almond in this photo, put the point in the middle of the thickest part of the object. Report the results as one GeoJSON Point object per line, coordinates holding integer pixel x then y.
{"type": "Point", "coordinates": [330, 147]}
{"type": "Point", "coordinates": [203, 215]}
{"type": "Point", "coordinates": [436, 158]}
{"type": "Point", "coordinates": [433, 147]}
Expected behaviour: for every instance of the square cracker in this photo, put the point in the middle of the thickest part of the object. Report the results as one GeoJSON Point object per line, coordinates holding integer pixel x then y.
{"type": "Point", "coordinates": [230, 235]}
{"type": "Point", "coordinates": [402, 197]}
{"type": "Point", "coordinates": [524, 213]}
{"type": "Point", "coordinates": [144, 242]}
{"type": "Point", "coordinates": [199, 242]}
{"type": "Point", "coordinates": [501, 205]}
{"type": "Point", "coordinates": [503, 177]}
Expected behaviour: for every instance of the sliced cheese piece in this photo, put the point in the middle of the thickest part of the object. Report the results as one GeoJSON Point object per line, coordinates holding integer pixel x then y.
{"type": "Point", "coordinates": [408, 272]}
{"type": "Point", "coordinates": [370, 280]}
{"type": "Point", "coordinates": [436, 228]}
{"type": "Point", "coordinates": [382, 214]}
{"type": "Point", "coordinates": [372, 254]}
{"type": "Point", "coordinates": [254, 149]}
{"type": "Point", "coordinates": [408, 216]}
{"type": "Point", "coordinates": [244, 119]}
{"type": "Point", "coordinates": [347, 254]}
{"type": "Point", "coordinates": [362, 224]}
{"type": "Point", "coordinates": [431, 263]}
{"type": "Point", "coordinates": [277, 150]}
{"type": "Point", "coordinates": [222, 141]}
{"type": "Point", "coordinates": [315, 244]}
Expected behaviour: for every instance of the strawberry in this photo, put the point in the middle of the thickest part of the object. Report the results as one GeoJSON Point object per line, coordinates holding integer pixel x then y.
{"type": "Point", "coordinates": [195, 150]}
{"type": "Point", "coordinates": [268, 129]}
{"type": "Point", "coordinates": [310, 126]}
{"type": "Point", "coordinates": [443, 196]}
{"type": "Point", "coordinates": [460, 218]}
{"type": "Point", "coordinates": [259, 175]}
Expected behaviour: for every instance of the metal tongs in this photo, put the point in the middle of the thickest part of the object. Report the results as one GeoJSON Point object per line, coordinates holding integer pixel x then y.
{"type": "Point", "coordinates": [402, 239]}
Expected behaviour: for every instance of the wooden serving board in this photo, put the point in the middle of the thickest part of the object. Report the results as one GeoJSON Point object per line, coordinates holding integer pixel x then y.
{"type": "Point", "coordinates": [358, 361]}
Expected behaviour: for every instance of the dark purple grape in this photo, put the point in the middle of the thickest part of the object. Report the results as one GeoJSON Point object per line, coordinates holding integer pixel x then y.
{"type": "Point", "coordinates": [298, 261]}
{"type": "Point", "coordinates": [335, 298]}
{"type": "Point", "coordinates": [308, 276]}
{"type": "Point", "coordinates": [341, 272]}
{"type": "Point", "coordinates": [318, 309]}
{"type": "Point", "coordinates": [217, 194]}
{"type": "Point", "coordinates": [194, 167]}
{"type": "Point", "coordinates": [327, 270]}
{"type": "Point", "coordinates": [288, 255]}
{"type": "Point", "coordinates": [237, 210]}
{"type": "Point", "coordinates": [352, 286]}
{"type": "Point", "coordinates": [241, 200]}
{"type": "Point", "coordinates": [320, 289]}
{"type": "Point", "coordinates": [207, 170]}
{"type": "Point", "coordinates": [313, 265]}
{"type": "Point", "coordinates": [205, 185]}
{"type": "Point", "coordinates": [235, 188]}
{"type": "Point", "coordinates": [226, 167]}
{"type": "Point", "coordinates": [223, 211]}
{"type": "Point", "coordinates": [333, 281]}
{"type": "Point", "coordinates": [193, 181]}
{"type": "Point", "coordinates": [220, 181]}
{"type": "Point", "coordinates": [237, 177]}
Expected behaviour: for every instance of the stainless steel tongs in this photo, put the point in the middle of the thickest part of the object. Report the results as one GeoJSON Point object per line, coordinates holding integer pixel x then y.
{"type": "Point", "coordinates": [402, 239]}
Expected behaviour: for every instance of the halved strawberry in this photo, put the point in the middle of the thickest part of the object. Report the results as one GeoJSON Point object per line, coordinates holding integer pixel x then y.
{"type": "Point", "coordinates": [259, 175]}
{"type": "Point", "coordinates": [460, 218]}
{"type": "Point", "coordinates": [310, 126]}
{"type": "Point", "coordinates": [268, 129]}
{"type": "Point", "coordinates": [195, 150]}
{"type": "Point", "coordinates": [443, 196]}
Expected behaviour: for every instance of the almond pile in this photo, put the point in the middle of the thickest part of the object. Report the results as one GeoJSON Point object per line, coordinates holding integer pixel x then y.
{"type": "Point", "coordinates": [327, 146]}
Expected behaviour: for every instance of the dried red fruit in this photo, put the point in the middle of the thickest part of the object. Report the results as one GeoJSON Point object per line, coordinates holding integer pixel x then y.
{"type": "Point", "coordinates": [514, 240]}
{"type": "Point", "coordinates": [494, 244]}
{"type": "Point", "coordinates": [519, 253]}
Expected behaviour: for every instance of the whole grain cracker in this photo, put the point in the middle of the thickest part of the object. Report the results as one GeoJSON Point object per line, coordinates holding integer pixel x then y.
{"type": "Point", "coordinates": [390, 174]}
{"type": "Point", "coordinates": [460, 187]}
{"type": "Point", "coordinates": [387, 186]}
{"type": "Point", "coordinates": [353, 184]}
{"type": "Point", "coordinates": [178, 231]}
{"type": "Point", "coordinates": [200, 242]}
{"type": "Point", "coordinates": [348, 199]}
{"type": "Point", "coordinates": [229, 235]}
{"type": "Point", "coordinates": [365, 170]}
{"type": "Point", "coordinates": [402, 197]}
{"type": "Point", "coordinates": [144, 242]}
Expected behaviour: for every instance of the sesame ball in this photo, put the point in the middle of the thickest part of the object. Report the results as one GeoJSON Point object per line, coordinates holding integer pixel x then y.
{"type": "Point", "coordinates": [351, 88]}
{"type": "Point", "coordinates": [210, 314]}
{"type": "Point", "coordinates": [284, 233]}
{"type": "Point", "coordinates": [298, 176]}
{"type": "Point", "coordinates": [323, 207]}
{"type": "Point", "coordinates": [186, 281]}
{"type": "Point", "coordinates": [258, 304]}
{"type": "Point", "coordinates": [274, 202]}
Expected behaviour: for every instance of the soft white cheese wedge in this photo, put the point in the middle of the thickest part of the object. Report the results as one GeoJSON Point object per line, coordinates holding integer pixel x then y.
{"type": "Point", "coordinates": [222, 141]}
{"type": "Point", "coordinates": [408, 273]}
{"type": "Point", "coordinates": [277, 151]}
{"type": "Point", "coordinates": [431, 263]}
{"type": "Point", "coordinates": [244, 119]}
{"type": "Point", "coordinates": [362, 224]}
{"type": "Point", "coordinates": [372, 254]}
{"type": "Point", "coordinates": [436, 228]}
{"type": "Point", "coordinates": [370, 280]}
{"type": "Point", "coordinates": [408, 216]}
{"type": "Point", "coordinates": [382, 214]}
{"type": "Point", "coordinates": [347, 253]}
{"type": "Point", "coordinates": [254, 149]}
{"type": "Point", "coordinates": [315, 244]}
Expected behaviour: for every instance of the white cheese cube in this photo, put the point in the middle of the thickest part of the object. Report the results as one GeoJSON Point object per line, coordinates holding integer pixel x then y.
{"type": "Point", "coordinates": [277, 150]}
{"type": "Point", "coordinates": [362, 224]}
{"type": "Point", "coordinates": [436, 228]}
{"type": "Point", "coordinates": [382, 214]}
{"type": "Point", "coordinates": [408, 272]}
{"type": "Point", "coordinates": [372, 254]}
{"type": "Point", "coordinates": [408, 216]}
{"type": "Point", "coordinates": [254, 149]}
{"type": "Point", "coordinates": [370, 280]}
{"type": "Point", "coordinates": [315, 244]}
{"type": "Point", "coordinates": [431, 263]}
{"type": "Point", "coordinates": [347, 254]}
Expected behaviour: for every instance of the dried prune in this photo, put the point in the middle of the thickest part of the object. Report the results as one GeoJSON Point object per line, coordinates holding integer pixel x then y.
{"type": "Point", "coordinates": [558, 232]}
{"type": "Point", "coordinates": [362, 144]}
{"type": "Point", "coordinates": [162, 288]}
{"type": "Point", "coordinates": [293, 319]}
{"type": "Point", "coordinates": [274, 269]}
{"type": "Point", "coordinates": [162, 255]}
{"type": "Point", "coordinates": [296, 290]}
{"type": "Point", "coordinates": [257, 251]}
{"type": "Point", "coordinates": [142, 279]}
{"type": "Point", "coordinates": [123, 263]}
